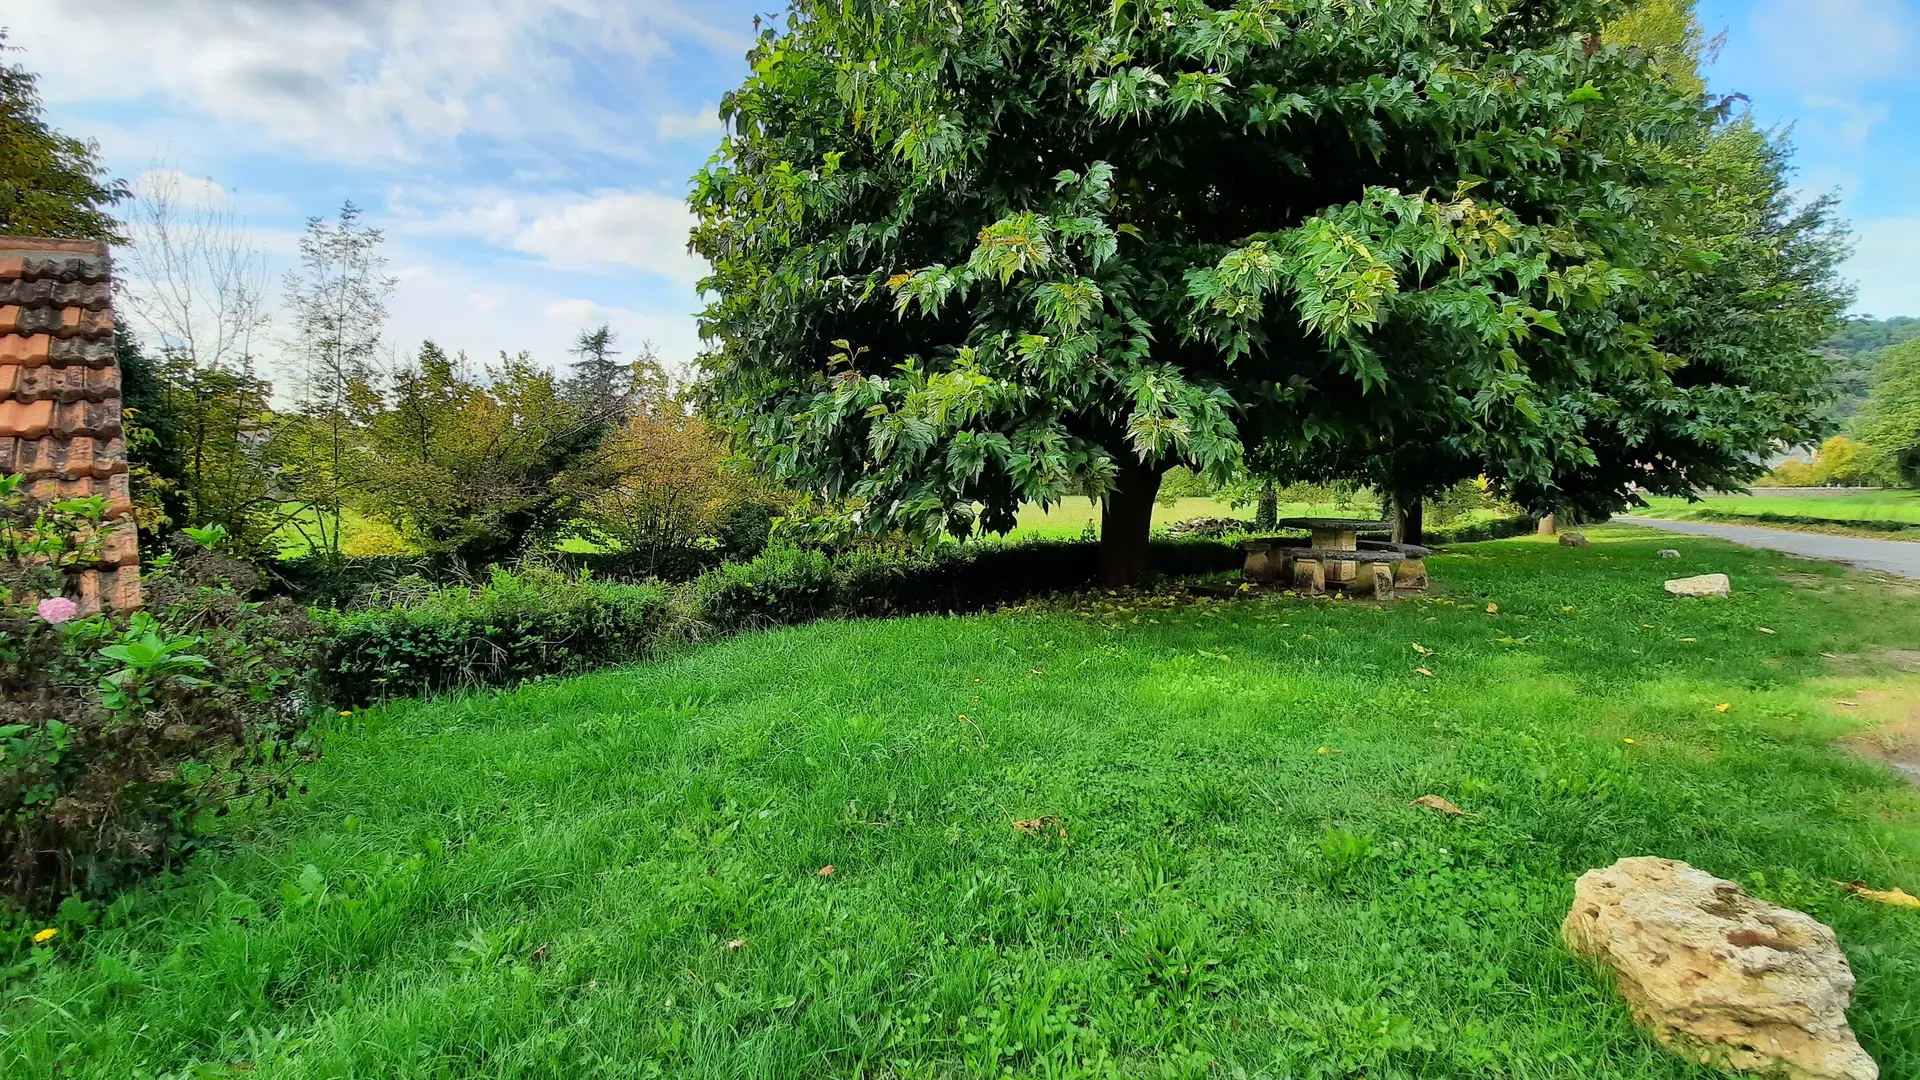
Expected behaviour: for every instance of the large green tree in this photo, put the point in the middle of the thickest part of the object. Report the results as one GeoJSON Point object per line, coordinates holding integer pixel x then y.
{"type": "Point", "coordinates": [1890, 423]}
{"type": "Point", "coordinates": [470, 464]}
{"type": "Point", "coordinates": [972, 254]}
{"type": "Point", "coordinates": [1738, 287]}
{"type": "Point", "coordinates": [50, 184]}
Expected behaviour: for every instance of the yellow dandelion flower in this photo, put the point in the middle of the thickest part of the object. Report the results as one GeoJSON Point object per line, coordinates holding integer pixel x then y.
{"type": "Point", "coordinates": [346, 712]}
{"type": "Point", "coordinates": [1629, 742]}
{"type": "Point", "coordinates": [44, 936]}
{"type": "Point", "coordinates": [1723, 706]}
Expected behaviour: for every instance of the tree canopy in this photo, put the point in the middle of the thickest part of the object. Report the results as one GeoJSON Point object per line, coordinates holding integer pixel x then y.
{"type": "Point", "coordinates": [50, 184]}
{"type": "Point", "coordinates": [975, 254]}
{"type": "Point", "coordinates": [1890, 423]}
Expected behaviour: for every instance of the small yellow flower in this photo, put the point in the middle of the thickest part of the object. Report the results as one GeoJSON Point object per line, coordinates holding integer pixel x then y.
{"type": "Point", "coordinates": [1723, 706]}
{"type": "Point", "coordinates": [346, 712]}
{"type": "Point", "coordinates": [1629, 742]}
{"type": "Point", "coordinates": [44, 936]}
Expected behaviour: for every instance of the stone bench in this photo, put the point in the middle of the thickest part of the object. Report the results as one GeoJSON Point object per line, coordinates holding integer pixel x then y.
{"type": "Point", "coordinates": [1309, 569]}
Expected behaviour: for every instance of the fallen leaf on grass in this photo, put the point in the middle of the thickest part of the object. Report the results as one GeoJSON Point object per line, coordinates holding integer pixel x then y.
{"type": "Point", "coordinates": [1848, 704]}
{"type": "Point", "coordinates": [1493, 609]}
{"type": "Point", "coordinates": [1566, 607]}
{"type": "Point", "coordinates": [1763, 629]}
{"type": "Point", "coordinates": [1435, 802]}
{"type": "Point", "coordinates": [1423, 671]}
{"type": "Point", "coordinates": [1044, 825]}
{"type": "Point", "coordinates": [1689, 639]}
{"type": "Point", "coordinates": [827, 870]}
{"type": "Point", "coordinates": [1422, 649]}
{"type": "Point", "coordinates": [1723, 706]}
{"type": "Point", "coordinates": [736, 943]}
{"type": "Point", "coordinates": [539, 954]}
{"type": "Point", "coordinates": [1036, 671]}
{"type": "Point", "coordinates": [1326, 750]}
{"type": "Point", "coordinates": [1895, 897]}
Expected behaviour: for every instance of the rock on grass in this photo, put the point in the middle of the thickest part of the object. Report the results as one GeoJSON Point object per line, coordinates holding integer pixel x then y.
{"type": "Point", "coordinates": [1723, 977]}
{"type": "Point", "coordinates": [1701, 585]}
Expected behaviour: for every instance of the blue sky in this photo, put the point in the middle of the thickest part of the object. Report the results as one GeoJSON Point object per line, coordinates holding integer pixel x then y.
{"type": "Point", "coordinates": [527, 157]}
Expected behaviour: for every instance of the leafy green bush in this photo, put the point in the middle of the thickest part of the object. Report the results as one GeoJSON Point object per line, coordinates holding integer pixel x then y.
{"type": "Point", "coordinates": [1469, 531]}
{"type": "Point", "coordinates": [790, 585]}
{"type": "Point", "coordinates": [539, 621]}
{"type": "Point", "coordinates": [117, 733]}
{"type": "Point", "coordinates": [517, 626]}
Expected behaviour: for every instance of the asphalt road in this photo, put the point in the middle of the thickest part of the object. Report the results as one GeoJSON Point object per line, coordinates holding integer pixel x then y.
{"type": "Point", "coordinates": [1899, 557]}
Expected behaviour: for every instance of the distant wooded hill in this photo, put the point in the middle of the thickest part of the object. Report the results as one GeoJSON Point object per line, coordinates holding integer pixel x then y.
{"type": "Point", "coordinates": [1854, 350]}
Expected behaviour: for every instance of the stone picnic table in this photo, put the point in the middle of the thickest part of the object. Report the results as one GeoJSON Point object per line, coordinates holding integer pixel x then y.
{"type": "Point", "coordinates": [1333, 557]}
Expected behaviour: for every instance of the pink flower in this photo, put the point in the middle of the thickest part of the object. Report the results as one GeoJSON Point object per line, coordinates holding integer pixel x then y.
{"type": "Point", "coordinates": [58, 609]}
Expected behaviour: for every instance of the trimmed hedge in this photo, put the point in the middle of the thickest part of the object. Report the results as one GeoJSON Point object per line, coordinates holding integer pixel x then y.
{"type": "Point", "coordinates": [786, 586]}
{"type": "Point", "coordinates": [518, 626]}
{"type": "Point", "coordinates": [1467, 532]}
{"type": "Point", "coordinates": [545, 621]}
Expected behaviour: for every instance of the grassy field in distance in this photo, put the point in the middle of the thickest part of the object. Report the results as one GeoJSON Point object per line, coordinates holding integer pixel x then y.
{"type": "Point", "coordinates": [1889, 505]}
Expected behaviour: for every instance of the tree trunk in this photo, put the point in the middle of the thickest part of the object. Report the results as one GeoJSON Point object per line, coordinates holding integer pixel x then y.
{"type": "Point", "coordinates": [1126, 520]}
{"type": "Point", "coordinates": [1266, 513]}
{"type": "Point", "coordinates": [1409, 521]}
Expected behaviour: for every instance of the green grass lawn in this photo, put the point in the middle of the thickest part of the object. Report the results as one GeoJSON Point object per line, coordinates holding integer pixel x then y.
{"type": "Point", "coordinates": [360, 534]}
{"type": "Point", "coordinates": [624, 875]}
{"type": "Point", "coordinates": [1902, 506]}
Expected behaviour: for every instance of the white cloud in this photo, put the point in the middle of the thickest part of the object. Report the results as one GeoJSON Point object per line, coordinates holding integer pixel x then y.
{"type": "Point", "coordinates": [610, 230]}
{"type": "Point", "coordinates": [463, 310]}
{"type": "Point", "coordinates": [1886, 264]}
{"type": "Point", "coordinates": [1857, 119]}
{"type": "Point", "coordinates": [702, 122]}
{"type": "Point", "coordinates": [1827, 42]}
{"type": "Point", "coordinates": [574, 312]}
{"type": "Point", "coordinates": [639, 229]}
{"type": "Point", "coordinates": [358, 80]}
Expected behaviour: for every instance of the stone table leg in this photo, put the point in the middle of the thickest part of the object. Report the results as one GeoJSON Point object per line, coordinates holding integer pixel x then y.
{"type": "Point", "coordinates": [1410, 574]}
{"type": "Point", "coordinates": [1259, 566]}
{"type": "Point", "coordinates": [1382, 581]}
{"type": "Point", "coordinates": [1309, 577]}
{"type": "Point", "coordinates": [1331, 540]}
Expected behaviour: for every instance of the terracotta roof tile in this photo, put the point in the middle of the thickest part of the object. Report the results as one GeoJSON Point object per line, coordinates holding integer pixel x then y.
{"type": "Point", "coordinates": [68, 459]}
{"type": "Point", "coordinates": [60, 407]}
{"type": "Point", "coordinates": [115, 489]}
{"type": "Point", "coordinates": [25, 419]}
{"type": "Point", "coordinates": [93, 296]}
{"type": "Point", "coordinates": [74, 383]}
{"type": "Point", "coordinates": [28, 351]}
{"type": "Point", "coordinates": [45, 245]}
{"type": "Point", "coordinates": [56, 320]}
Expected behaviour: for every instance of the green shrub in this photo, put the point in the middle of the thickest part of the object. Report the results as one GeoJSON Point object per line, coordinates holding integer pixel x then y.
{"type": "Point", "coordinates": [782, 585]}
{"type": "Point", "coordinates": [539, 621]}
{"type": "Point", "coordinates": [790, 585]}
{"type": "Point", "coordinates": [517, 626]}
{"type": "Point", "coordinates": [117, 733]}
{"type": "Point", "coordinates": [1467, 532]}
